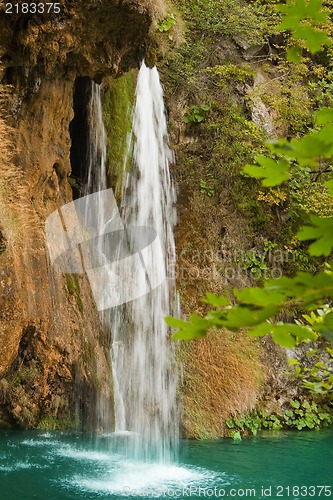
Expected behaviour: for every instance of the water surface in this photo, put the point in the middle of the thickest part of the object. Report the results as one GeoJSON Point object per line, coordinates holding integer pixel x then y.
{"type": "Point", "coordinates": [61, 466]}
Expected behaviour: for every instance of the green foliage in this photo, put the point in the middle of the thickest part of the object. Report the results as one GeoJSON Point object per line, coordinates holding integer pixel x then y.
{"type": "Point", "coordinates": [313, 197]}
{"type": "Point", "coordinates": [322, 232]}
{"type": "Point", "coordinates": [270, 422]}
{"type": "Point", "coordinates": [254, 263]}
{"type": "Point", "coordinates": [322, 92]}
{"type": "Point", "coordinates": [256, 306]}
{"type": "Point", "coordinates": [273, 172]}
{"type": "Point", "coordinates": [315, 370]}
{"type": "Point", "coordinates": [318, 377]}
{"type": "Point", "coordinates": [74, 182]}
{"type": "Point", "coordinates": [26, 374]}
{"type": "Point", "coordinates": [236, 436]}
{"type": "Point", "coordinates": [205, 189]}
{"type": "Point", "coordinates": [297, 415]}
{"type": "Point", "coordinates": [15, 392]}
{"type": "Point", "coordinates": [311, 149]}
{"type": "Point", "coordinates": [286, 96]}
{"type": "Point", "coordinates": [117, 104]}
{"type": "Point", "coordinates": [228, 17]}
{"type": "Point", "coordinates": [50, 423]}
{"type": "Point", "coordinates": [166, 23]}
{"type": "Point", "coordinates": [230, 71]}
{"type": "Point", "coordinates": [248, 423]}
{"type": "Point", "coordinates": [308, 415]}
{"type": "Point", "coordinates": [197, 114]}
{"type": "Point", "coordinates": [300, 17]}
{"type": "Point", "coordinates": [194, 328]}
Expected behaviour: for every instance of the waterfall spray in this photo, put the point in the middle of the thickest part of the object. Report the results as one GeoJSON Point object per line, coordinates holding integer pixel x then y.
{"type": "Point", "coordinates": [143, 359]}
{"type": "Point", "coordinates": [144, 367]}
{"type": "Point", "coordinates": [143, 362]}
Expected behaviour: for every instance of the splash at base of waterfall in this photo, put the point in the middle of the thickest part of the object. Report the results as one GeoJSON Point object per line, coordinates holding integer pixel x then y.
{"type": "Point", "coordinates": [144, 367]}
{"type": "Point", "coordinates": [143, 361]}
{"type": "Point", "coordinates": [75, 466]}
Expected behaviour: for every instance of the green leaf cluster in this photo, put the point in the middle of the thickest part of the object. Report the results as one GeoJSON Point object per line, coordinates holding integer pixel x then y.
{"type": "Point", "coordinates": [297, 415]}
{"type": "Point", "coordinates": [272, 172]}
{"type": "Point", "coordinates": [206, 189]}
{"type": "Point", "coordinates": [256, 306]}
{"type": "Point", "coordinates": [308, 415]}
{"type": "Point", "coordinates": [254, 262]}
{"type": "Point", "coordinates": [251, 422]}
{"type": "Point", "coordinates": [166, 23]}
{"type": "Point", "coordinates": [197, 114]}
{"type": "Point", "coordinates": [301, 18]}
{"type": "Point", "coordinates": [315, 372]}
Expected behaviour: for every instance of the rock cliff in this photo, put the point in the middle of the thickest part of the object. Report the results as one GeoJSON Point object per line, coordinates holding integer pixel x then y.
{"type": "Point", "coordinates": [54, 362]}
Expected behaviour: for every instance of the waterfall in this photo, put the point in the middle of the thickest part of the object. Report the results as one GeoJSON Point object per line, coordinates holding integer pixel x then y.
{"type": "Point", "coordinates": [96, 179]}
{"type": "Point", "coordinates": [143, 362]}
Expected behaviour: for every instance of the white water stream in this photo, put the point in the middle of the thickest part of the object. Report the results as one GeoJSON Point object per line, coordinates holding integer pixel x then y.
{"type": "Point", "coordinates": [144, 368]}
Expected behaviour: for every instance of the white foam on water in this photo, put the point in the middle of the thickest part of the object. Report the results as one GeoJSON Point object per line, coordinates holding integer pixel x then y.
{"type": "Point", "coordinates": [40, 442]}
{"type": "Point", "coordinates": [46, 435]}
{"type": "Point", "coordinates": [145, 479]}
{"type": "Point", "coordinates": [94, 456]}
{"type": "Point", "coordinates": [18, 466]}
{"type": "Point", "coordinates": [5, 468]}
{"type": "Point", "coordinates": [124, 433]}
{"type": "Point", "coordinates": [10, 444]}
{"type": "Point", "coordinates": [118, 433]}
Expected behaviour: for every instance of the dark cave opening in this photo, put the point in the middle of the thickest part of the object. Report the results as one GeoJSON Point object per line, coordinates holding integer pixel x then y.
{"type": "Point", "coordinates": [79, 132]}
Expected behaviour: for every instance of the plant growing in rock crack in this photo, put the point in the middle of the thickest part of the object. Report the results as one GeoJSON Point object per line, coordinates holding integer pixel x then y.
{"type": "Point", "coordinates": [166, 23]}
{"type": "Point", "coordinates": [197, 114]}
{"type": "Point", "coordinates": [205, 189]}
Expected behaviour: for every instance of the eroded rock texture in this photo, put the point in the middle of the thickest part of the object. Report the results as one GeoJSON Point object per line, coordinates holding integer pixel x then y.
{"type": "Point", "coordinates": [54, 364]}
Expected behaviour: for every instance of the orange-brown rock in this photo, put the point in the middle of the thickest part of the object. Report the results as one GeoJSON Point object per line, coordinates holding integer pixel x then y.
{"type": "Point", "coordinates": [54, 360]}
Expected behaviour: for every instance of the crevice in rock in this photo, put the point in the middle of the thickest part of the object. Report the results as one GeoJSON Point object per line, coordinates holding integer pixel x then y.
{"type": "Point", "coordinates": [3, 241]}
{"type": "Point", "coordinates": [59, 170]}
{"type": "Point", "coordinates": [79, 132]}
{"type": "Point", "coordinates": [13, 76]}
{"type": "Point", "coordinates": [26, 350]}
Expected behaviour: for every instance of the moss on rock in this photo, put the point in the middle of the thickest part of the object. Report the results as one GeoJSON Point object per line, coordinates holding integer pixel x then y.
{"type": "Point", "coordinates": [117, 103]}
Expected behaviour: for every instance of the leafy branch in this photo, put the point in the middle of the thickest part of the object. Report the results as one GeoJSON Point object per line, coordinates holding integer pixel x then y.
{"type": "Point", "coordinates": [301, 18]}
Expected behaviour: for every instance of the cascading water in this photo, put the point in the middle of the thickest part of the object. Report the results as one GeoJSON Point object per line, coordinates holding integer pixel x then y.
{"type": "Point", "coordinates": [96, 179]}
{"type": "Point", "coordinates": [147, 388]}
{"type": "Point", "coordinates": [144, 369]}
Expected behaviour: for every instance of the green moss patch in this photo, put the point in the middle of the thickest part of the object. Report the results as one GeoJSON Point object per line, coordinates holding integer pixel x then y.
{"type": "Point", "coordinates": [117, 103]}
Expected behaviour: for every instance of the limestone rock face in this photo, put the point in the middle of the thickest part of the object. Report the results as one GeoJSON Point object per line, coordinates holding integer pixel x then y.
{"type": "Point", "coordinates": [54, 360]}
{"type": "Point", "coordinates": [91, 38]}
